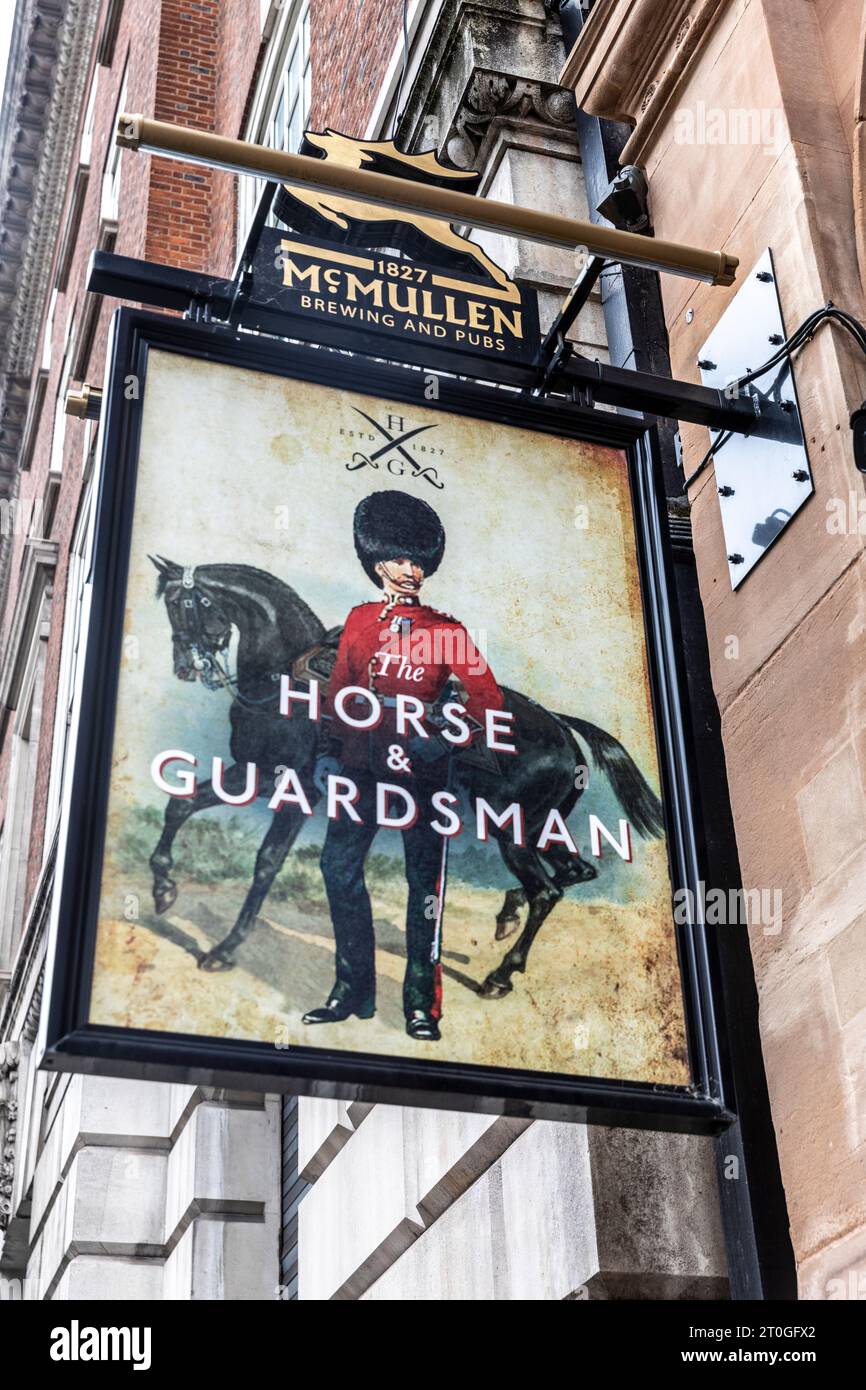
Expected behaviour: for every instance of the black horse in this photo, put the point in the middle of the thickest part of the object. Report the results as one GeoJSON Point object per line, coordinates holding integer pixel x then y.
{"type": "Point", "coordinates": [275, 629]}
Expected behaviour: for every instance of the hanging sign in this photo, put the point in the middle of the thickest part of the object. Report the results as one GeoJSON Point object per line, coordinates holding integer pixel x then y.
{"type": "Point", "coordinates": [374, 744]}
{"type": "Point", "coordinates": [388, 273]}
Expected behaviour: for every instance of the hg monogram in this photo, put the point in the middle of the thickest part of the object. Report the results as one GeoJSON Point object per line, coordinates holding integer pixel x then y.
{"type": "Point", "coordinates": [393, 454]}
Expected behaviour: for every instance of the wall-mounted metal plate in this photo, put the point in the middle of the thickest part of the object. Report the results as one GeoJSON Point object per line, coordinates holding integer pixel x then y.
{"type": "Point", "coordinates": [762, 482]}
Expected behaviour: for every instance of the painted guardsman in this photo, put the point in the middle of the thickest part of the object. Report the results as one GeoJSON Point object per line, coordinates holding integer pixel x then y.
{"type": "Point", "coordinates": [394, 645]}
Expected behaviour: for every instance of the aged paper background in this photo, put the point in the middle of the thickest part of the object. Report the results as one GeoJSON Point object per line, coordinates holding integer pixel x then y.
{"type": "Point", "coordinates": [239, 466]}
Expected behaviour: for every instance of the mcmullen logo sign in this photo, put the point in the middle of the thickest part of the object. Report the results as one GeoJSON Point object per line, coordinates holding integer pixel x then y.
{"type": "Point", "coordinates": [392, 295]}
{"type": "Point", "coordinates": [435, 286]}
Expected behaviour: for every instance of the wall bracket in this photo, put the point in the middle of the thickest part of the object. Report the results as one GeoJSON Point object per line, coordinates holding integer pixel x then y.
{"type": "Point", "coordinates": [762, 481]}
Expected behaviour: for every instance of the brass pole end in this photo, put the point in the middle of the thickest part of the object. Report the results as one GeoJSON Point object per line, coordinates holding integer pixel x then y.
{"type": "Point", "coordinates": [728, 274]}
{"type": "Point", "coordinates": [128, 131]}
{"type": "Point", "coordinates": [84, 404]}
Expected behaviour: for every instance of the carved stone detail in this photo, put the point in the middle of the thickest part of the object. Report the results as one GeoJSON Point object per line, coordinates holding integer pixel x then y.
{"type": "Point", "coordinates": [629, 61]}
{"type": "Point", "coordinates": [52, 43]}
{"type": "Point", "coordinates": [9, 1055]}
{"type": "Point", "coordinates": [491, 95]}
{"type": "Point", "coordinates": [34, 1009]}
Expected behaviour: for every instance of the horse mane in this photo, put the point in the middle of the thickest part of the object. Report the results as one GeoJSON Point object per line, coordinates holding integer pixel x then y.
{"type": "Point", "coordinates": [170, 573]}
{"type": "Point", "coordinates": [287, 600]}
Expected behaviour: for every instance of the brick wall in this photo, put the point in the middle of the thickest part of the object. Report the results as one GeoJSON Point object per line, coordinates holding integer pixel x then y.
{"type": "Point", "coordinates": [239, 54]}
{"type": "Point", "coordinates": [207, 58]}
{"type": "Point", "coordinates": [351, 42]}
{"type": "Point", "coordinates": [181, 195]}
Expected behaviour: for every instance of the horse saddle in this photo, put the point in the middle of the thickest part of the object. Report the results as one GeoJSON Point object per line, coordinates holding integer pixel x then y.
{"type": "Point", "coordinates": [317, 662]}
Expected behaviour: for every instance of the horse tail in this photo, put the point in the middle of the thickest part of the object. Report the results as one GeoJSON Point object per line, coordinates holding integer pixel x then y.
{"type": "Point", "coordinates": [634, 793]}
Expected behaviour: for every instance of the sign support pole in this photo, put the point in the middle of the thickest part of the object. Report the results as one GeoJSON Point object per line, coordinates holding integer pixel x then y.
{"type": "Point", "coordinates": [135, 132]}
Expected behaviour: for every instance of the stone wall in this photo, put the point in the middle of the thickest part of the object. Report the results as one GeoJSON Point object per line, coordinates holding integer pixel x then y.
{"type": "Point", "coordinates": [147, 1191]}
{"type": "Point", "coordinates": [429, 1205]}
{"type": "Point", "coordinates": [787, 648]}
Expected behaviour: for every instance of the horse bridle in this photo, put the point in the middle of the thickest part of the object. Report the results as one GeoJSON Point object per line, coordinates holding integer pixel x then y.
{"type": "Point", "coordinates": [213, 670]}
{"type": "Point", "coordinates": [189, 624]}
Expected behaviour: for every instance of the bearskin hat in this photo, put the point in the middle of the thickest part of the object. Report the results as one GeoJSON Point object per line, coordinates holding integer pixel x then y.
{"type": "Point", "coordinates": [389, 525]}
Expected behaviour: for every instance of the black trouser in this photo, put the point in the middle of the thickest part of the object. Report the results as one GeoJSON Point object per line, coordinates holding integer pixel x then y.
{"type": "Point", "coordinates": [346, 847]}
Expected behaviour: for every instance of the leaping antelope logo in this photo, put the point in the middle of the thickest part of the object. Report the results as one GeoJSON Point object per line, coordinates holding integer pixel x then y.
{"type": "Point", "coordinates": [343, 212]}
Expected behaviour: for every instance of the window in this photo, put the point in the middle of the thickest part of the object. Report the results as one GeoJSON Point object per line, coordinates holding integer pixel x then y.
{"type": "Point", "coordinates": [69, 234]}
{"type": "Point", "coordinates": [111, 177]}
{"type": "Point", "coordinates": [108, 37]}
{"type": "Point", "coordinates": [48, 333]}
{"type": "Point", "coordinates": [22, 682]}
{"type": "Point", "coordinates": [57, 440]}
{"type": "Point", "coordinates": [71, 653]}
{"type": "Point", "coordinates": [87, 133]}
{"type": "Point", "coordinates": [282, 102]}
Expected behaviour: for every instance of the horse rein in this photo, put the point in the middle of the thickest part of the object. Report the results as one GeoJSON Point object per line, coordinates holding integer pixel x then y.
{"type": "Point", "coordinates": [212, 671]}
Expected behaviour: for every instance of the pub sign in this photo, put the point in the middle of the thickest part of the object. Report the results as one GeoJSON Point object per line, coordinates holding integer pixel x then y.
{"type": "Point", "coordinates": [378, 785]}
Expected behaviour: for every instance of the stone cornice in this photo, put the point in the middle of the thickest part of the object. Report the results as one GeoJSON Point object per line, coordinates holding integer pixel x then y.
{"type": "Point", "coordinates": [493, 96]}
{"type": "Point", "coordinates": [52, 45]}
{"type": "Point", "coordinates": [630, 58]}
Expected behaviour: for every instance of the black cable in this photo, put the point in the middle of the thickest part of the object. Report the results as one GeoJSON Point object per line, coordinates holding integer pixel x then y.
{"type": "Point", "coordinates": [803, 335]}
{"type": "Point", "coordinates": [718, 443]}
{"type": "Point", "coordinates": [798, 339]}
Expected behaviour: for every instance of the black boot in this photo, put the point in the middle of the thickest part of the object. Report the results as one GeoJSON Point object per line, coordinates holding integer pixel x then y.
{"type": "Point", "coordinates": [336, 1010]}
{"type": "Point", "coordinates": [422, 1026]}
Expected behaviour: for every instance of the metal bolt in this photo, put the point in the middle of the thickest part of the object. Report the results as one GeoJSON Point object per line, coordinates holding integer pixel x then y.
{"type": "Point", "coordinates": [776, 339]}
{"type": "Point", "coordinates": [690, 314]}
{"type": "Point", "coordinates": [735, 559]}
{"type": "Point", "coordinates": [726, 491]}
{"type": "Point", "coordinates": [800, 475]}
{"type": "Point", "coordinates": [706, 365]}
{"type": "Point", "coordinates": [764, 275]}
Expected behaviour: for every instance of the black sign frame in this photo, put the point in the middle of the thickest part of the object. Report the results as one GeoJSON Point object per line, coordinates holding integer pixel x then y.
{"type": "Point", "coordinates": [72, 1044]}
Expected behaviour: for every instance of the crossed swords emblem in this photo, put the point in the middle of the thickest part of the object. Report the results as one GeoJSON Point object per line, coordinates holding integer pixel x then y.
{"type": "Point", "coordinates": [394, 445]}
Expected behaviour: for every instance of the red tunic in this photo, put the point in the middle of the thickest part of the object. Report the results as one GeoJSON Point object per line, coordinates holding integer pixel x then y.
{"type": "Point", "coordinates": [404, 649]}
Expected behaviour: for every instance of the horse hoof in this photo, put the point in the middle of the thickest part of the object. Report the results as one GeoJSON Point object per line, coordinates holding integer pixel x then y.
{"type": "Point", "coordinates": [506, 926]}
{"type": "Point", "coordinates": [494, 989]}
{"type": "Point", "coordinates": [214, 963]}
{"type": "Point", "coordinates": [163, 898]}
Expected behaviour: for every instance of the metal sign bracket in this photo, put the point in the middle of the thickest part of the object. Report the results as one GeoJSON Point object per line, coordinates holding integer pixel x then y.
{"type": "Point", "coordinates": [762, 481]}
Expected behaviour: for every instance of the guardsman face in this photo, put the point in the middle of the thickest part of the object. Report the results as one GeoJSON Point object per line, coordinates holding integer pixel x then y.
{"type": "Point", "coordinates": [400, 576]}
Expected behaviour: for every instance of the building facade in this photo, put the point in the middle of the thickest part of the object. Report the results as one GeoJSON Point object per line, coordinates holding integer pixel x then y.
{"type": "Point", "coordinates": [748, 119]}
{"type": "Point", "coordinates": [148, 1191]}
